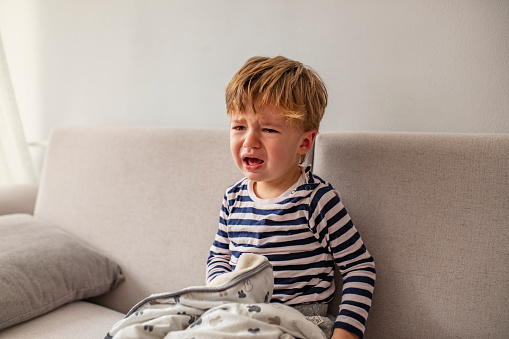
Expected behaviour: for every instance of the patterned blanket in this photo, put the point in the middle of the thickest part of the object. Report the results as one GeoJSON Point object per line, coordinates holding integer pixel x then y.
{"type": "Point", "coordinates": [234, 305]}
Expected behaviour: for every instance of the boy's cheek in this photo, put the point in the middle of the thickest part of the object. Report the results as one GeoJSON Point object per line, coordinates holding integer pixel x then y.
{"type": "Point", "coordinates": [235, 143]}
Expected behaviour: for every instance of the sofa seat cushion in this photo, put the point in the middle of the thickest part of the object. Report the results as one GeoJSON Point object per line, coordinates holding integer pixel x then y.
{"type": "Point", "coordinates": [76, 320]}
{"type": "Point", "coordinates": [43, 267]}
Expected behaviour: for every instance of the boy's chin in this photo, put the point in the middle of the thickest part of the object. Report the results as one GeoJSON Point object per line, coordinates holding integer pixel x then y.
{"type": "Point", "coordinates": [256, 177]}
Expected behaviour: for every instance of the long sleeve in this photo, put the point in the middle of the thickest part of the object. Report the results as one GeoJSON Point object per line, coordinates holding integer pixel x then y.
{"type": "Point", "coordinates": [335, 231]}
{"type": "Point", "coordinates": [219, 258]}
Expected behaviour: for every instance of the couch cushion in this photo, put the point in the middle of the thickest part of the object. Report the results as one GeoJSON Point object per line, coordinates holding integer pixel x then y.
{"type": "Point", "coordinates": [43, 267]}
{"type": "Point", "coordinates": [78, 320]}
{"type": "Point", "coordinates": [433, 210]}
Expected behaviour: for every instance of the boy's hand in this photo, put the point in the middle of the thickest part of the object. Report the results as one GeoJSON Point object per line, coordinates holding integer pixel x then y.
{"type": "Point", "coordinates": [340, 333]}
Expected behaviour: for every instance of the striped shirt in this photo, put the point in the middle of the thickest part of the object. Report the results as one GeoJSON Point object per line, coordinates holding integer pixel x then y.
{"type": "Point", "coordinates": [302, 234]}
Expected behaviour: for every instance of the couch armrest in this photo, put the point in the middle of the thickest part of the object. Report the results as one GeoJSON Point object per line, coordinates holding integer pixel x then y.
{"type": "Point", "coordinates": [18, 198]}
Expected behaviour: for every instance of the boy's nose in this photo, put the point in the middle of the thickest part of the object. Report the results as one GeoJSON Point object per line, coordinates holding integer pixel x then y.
{"type": "Point", "coordinates": [251, 140]}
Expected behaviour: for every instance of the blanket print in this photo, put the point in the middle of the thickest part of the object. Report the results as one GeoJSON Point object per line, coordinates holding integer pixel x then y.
{"type": "Point", "coordinates": [234, 305]}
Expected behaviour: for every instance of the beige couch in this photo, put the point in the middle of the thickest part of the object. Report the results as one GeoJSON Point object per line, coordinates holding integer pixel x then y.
{"type": "Point", "coordinates": [433, 209]}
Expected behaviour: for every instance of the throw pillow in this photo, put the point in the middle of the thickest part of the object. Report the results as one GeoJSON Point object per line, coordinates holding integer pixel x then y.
{"type": "Point", "coordinates": [42, 267]}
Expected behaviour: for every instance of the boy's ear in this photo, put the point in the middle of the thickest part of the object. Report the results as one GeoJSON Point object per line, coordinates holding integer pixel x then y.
{"type": "Point", "coordinates": [307, 142]}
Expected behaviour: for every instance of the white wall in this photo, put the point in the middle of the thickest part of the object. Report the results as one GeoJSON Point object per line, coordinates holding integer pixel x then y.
{"type": "Point", "coordinates": [393, 65]}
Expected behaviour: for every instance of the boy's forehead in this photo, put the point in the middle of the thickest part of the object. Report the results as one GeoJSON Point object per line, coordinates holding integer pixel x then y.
{"type": "Point", "coordinates": [257, 107]}
{"type": "Point", "coordinates": [263, 113]}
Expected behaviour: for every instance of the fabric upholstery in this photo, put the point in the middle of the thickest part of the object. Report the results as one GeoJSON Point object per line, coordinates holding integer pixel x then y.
{"type": "Point", "coordinates": [148, 198]}
{"type": "Point", "coordinates": [18, 198]}
{"type": "Point", "coordinates": [42, 268]}
{"type": "Point", "coordinates": [78, 320]}
{"type": "Point", "coordinates": [433, 210]}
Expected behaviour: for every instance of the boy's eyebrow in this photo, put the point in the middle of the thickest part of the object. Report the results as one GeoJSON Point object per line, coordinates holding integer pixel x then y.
{"type": "Point", "coordinates": [238, 118]}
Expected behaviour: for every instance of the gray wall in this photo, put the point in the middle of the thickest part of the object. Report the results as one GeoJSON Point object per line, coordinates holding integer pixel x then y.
{"type": "Point", "coordinates": [393, 65]}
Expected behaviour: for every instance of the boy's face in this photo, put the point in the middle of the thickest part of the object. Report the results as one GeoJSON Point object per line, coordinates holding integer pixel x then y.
{"type": "Point", "coordinates": [267, 149]}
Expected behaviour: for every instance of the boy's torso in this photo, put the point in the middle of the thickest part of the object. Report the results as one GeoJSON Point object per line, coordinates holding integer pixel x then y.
{"type": "Point", "coordinates": [280, 230]}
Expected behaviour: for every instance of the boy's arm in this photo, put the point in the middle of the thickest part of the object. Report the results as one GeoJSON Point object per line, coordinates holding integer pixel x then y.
{"type": "Point", "coordinates": [335, 231]}
{"type": "Point", "coordinates": [218, 261]}
{"type": "Point", "coordinates": [219, 258]}
{"type": "Point", "coordinates": [340, 333]}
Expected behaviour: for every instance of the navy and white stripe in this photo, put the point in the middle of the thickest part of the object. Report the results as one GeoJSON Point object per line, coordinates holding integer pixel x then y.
{"type": "Point", "coordinates": [302, 235]}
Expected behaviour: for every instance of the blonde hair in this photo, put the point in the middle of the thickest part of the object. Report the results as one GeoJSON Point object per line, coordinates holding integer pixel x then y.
{"type": "Point", "coordinates": [296, 90]}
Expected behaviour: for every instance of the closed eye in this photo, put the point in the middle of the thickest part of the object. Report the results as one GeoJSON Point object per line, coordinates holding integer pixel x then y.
{"type": "Point", "coordinates": [269, 130]}
{"type": "Point", "coordinates": [239, 128]}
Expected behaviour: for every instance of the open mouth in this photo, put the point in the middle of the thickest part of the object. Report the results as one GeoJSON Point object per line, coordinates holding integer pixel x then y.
{"type": "Point", "coordinates": [253, 161]}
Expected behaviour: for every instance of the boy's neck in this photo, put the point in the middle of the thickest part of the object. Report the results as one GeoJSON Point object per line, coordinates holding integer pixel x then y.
{"type": "Point", "coordinates": [270, 190]}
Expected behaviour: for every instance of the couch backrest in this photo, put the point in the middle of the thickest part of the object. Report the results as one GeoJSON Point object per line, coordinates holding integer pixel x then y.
{"type": "Point", "coordinates": [148, 198]}
{"type": "Point", "coordinates": [433, 210]}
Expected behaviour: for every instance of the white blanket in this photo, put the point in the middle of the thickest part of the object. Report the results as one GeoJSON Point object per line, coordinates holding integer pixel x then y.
{"type": "Point", "coordinates": [234, 305]}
